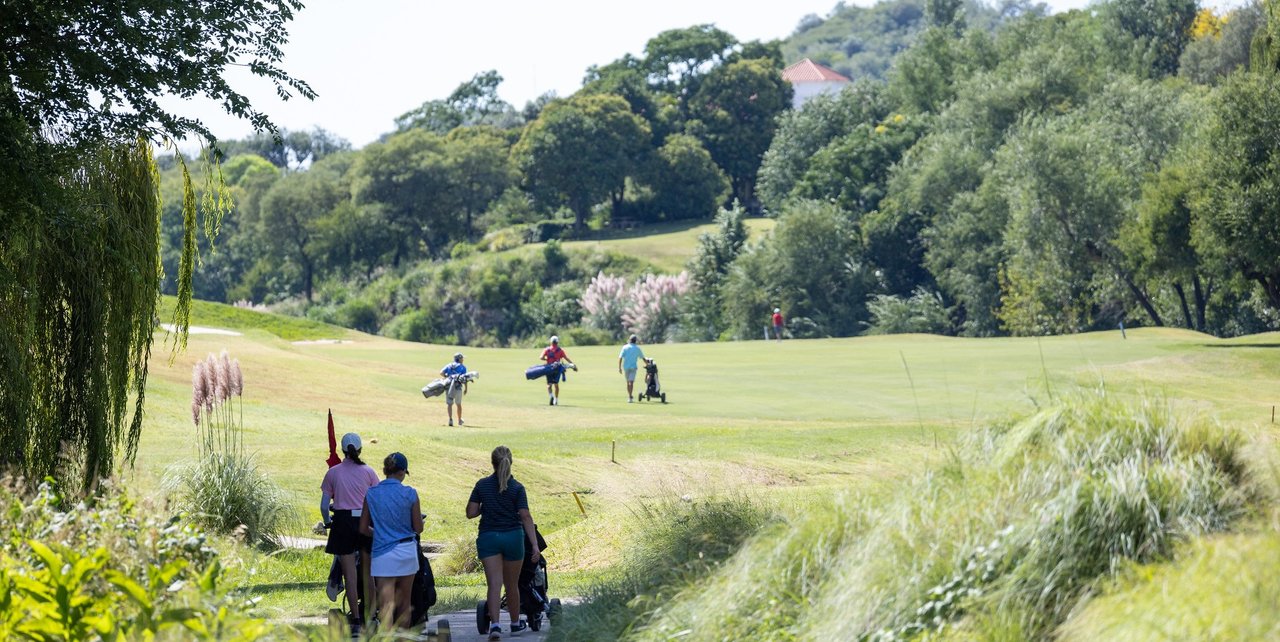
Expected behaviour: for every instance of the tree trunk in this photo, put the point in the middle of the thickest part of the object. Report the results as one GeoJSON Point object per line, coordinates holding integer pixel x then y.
{"type": "Point", "coordinates": [1202, 301]}
{"type": "Point", "coordinates": [1182, 299]}
{"type": "Point", "coordinates": [1144, 301]}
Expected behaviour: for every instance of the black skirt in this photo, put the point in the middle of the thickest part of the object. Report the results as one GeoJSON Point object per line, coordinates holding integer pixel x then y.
{"type": "Point", "coordinates": [344, 535]}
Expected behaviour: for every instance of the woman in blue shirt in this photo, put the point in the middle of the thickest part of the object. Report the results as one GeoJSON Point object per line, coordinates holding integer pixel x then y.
{"type": "Point", "coordinates": [392, 516]}
{"type": "Point", "coordinates": [505, 523]}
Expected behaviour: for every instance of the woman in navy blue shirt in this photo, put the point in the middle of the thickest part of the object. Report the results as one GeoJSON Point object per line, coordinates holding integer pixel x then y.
{"type": "Point", "coordinates": [392, 516]}
{"type": "Point", "coordinates": [505, 524]}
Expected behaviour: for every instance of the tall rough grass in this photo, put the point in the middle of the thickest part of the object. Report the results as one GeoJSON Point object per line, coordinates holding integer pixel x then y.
{"type": "Point", "coordinates": [674, 542]}
{"type": "Point", "coordinates": [224, 490]}
{"type": "Point", "coordinates": [1024, 523]}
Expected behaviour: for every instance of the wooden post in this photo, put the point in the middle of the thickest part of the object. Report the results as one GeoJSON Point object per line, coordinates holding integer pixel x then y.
{"type": "Point", "coordinates": [580, 508]}
{"type": "Point", "coordinates": [1273, 414]}
{"type": "Point", "coordinates": [613, 455]}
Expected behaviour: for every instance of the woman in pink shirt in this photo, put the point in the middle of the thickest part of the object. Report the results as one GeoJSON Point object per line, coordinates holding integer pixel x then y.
{"type": "Point", "coordinates": [342, 493]}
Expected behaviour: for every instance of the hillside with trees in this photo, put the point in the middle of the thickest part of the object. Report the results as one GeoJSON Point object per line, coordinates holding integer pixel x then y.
{"type": "Point", "coordinates": [1013, 173]}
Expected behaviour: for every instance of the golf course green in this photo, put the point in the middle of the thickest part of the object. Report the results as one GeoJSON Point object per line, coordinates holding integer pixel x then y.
{"type": "Point", "coordinates": [792, 420]}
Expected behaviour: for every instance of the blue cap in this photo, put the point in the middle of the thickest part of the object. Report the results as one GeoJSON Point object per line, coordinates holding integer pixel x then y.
{"type": "Point", "coordinates": [399, 461]}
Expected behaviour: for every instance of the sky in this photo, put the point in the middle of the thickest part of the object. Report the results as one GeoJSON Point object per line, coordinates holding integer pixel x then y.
{"type": "Point", "coordinates": [372, 60]}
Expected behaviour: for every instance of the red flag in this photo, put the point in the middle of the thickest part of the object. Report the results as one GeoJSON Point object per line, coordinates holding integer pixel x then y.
{"type": "Point", "coordinates": [333, 444]}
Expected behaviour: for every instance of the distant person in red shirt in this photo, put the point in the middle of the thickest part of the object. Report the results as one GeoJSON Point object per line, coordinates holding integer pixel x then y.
{"type": "Point", "coordinates": [777, 324]}
{"type": "Point", "coordinates": [552, 355]}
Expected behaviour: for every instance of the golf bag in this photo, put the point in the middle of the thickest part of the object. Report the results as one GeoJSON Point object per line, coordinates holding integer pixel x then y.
{"type": "Point", "coordinates": [440, 386]}
{"type": "Point", "coordinates": [652, 389]}
{"type": "Point", "coordinates": [556, 369]}
{"type": "Point", "coordinates": [424, 587]}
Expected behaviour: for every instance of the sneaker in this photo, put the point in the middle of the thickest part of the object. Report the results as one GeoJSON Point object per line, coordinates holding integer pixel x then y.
{"type": "Point", "coordinates": [630, 399]}
{"type": "Point", "coordinates": [450, 423]}
{"type": "Point", "coordinates": [519, 627]}
{"type": "Point", "coordinates": [552, 402]}
{"type": "Point", "coordinates": [460, 422]}
{"type": "Point", "coordinates": [495, 632]}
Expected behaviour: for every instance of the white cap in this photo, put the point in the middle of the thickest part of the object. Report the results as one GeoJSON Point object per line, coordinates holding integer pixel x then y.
{"type": "Point", "coordinates": [555, 339]}
{"type": "Point", "coordinates": [350, 440]}
{"type": "Point", "coordinates": [776, 310]}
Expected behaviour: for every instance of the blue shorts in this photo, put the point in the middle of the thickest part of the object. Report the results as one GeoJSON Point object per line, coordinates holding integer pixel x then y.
{"type": "Point", "coordinates": [509, 544]}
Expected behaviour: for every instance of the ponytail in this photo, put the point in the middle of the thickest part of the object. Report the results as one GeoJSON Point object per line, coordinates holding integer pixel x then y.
{"type": "Point", "coordinates": [502, 466]}
{"type": "Point", "coordinates": [353, 454]}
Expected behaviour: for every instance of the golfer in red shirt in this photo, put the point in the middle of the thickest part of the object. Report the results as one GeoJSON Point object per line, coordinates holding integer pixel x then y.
{"type": "Point", "coordinates": [552, 355]}
{"type": "Point", "coordinates": [777, 324]}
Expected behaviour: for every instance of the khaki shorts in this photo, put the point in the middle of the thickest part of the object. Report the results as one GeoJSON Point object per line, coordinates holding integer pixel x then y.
{"type": "Point", "coordinates": [630, 373]}
{"type": "Point", "coordinates": [453, 397]}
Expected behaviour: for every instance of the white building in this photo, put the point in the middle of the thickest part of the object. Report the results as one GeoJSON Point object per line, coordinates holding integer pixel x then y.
{"type": "Point", "coordinates": [809, 79]}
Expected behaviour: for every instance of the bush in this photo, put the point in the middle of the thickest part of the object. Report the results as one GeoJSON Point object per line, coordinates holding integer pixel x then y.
{"type": "Point", "coordinates": [604, 302]}
{"type": "Point", "coordinates": [922, 313]}
{"type": "Point", "coordinates": [109, 568]}
{"type": "Point", "coordinates": [359, 314]}
{"type": "Point", "coordinates": [228, 493]}
{"type": "Point", "coordinates": [224, 490]}
{"type": "Point", "coordinates": [414, 325]}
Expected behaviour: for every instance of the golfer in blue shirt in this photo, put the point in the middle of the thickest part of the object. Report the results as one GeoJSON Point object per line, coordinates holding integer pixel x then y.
{"type": "Point", "coordinates": [629, 362]}
{"type": "Point", "coordinates": [453, 394]}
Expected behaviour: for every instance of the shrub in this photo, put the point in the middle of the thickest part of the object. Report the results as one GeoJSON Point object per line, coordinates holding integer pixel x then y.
{"type": "Point", "coordinates": [224, 490]}
{"type": "Point", "coordinates": [414, 325]}
{"type": "Point", "coordinates": [604, 302]}
{"type": "Point", "coordinates": [923, 312]}
{"type": "Point", "coordinates": [359, 314]}
{"type": "Point", "coordinates": [109, 568]}
{"type": "Point", "coordinates": [653, 306]}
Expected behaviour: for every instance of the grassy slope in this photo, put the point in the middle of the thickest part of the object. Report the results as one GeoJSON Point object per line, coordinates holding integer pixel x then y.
{"type": "Point", "coordinates": [797, 418]}
{"type": "Point", "coordinates": [667, 246]}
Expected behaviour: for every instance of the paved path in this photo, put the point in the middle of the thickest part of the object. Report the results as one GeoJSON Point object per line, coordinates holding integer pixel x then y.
{"type": "Point", "coordinates": [462, 628]}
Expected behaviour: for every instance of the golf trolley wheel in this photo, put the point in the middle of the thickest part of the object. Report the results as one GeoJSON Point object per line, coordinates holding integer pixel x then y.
{"type": "Point", "coordinates": [664, 397]}
{"type": "Point", "coordinates": [482, 617]}
{"type": "Point", "coordinates": [443, 634]}
{"type": "Point", "coordinates": [553, 611]}
{"type": "Point", "coordinates": [535, 622]}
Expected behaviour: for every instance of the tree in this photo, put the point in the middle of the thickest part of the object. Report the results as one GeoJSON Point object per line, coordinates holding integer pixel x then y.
{"type": "Point", "coordinates": [807, 266]}
{"type": "Point", "coordinates": [802, 132]}
{"type": "Point", "coordinates": [1159, 29]}
{"type": "Point", "coordinates": [687, 182]}
{"type": "Point", "coordinates": [580, 151]}
{"type": "Point", "coordinates": [87, 72]}
{"type": "Point", "coordinates": [292, 211]}
{"type": "Point", "coordinates": [712, 259]}
{"type": "Point", "coordinates": [677, 58]}
{"type": "Point", "coordinates": [736, 109]}
{"type": "Point", "coordinates": [1237, 209]}
{"type": "Point", "coordinates": [474, 102]}
{"type": "Point", "coordinates": [287, 149]}
{"type": "Point", "coordinates": [79, 230]}
{"type": "Point", "coordinates": [478, 163]}
{"type": "Point", "coordinates": [408, 178]}
{"type": "Point", "coordinates": [1220, 45]}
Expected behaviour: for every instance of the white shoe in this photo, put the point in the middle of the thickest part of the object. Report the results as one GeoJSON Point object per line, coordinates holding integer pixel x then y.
{"type": "Point", "coordinates": [450, 422]}
{"type": "Point", "coordinates": [631, 399]}
{"type": "Point", "coordinates": [460, 422]}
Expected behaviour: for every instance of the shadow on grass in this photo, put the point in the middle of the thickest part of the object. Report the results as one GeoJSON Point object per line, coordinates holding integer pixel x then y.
{"type": "Point", "coordinates": [1241, 345]}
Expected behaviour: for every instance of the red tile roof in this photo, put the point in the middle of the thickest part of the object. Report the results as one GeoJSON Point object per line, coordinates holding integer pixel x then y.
{"type": "Point", "coordinates": [809, 71]}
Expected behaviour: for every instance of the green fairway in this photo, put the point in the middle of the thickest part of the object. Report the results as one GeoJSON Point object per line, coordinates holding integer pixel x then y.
{"type": "Point", "coordinates": [796, 419]}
